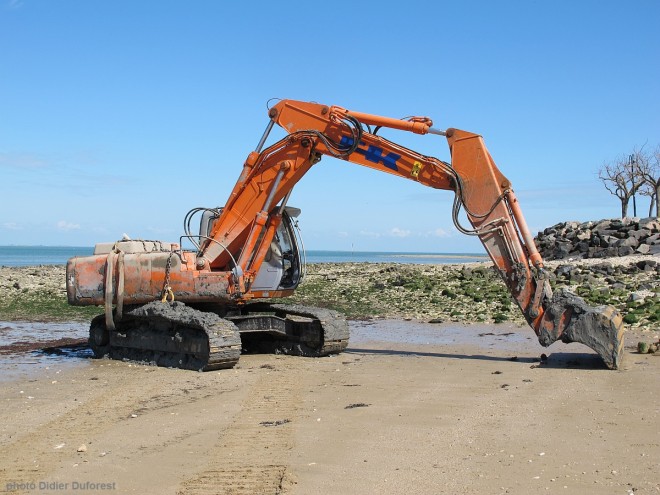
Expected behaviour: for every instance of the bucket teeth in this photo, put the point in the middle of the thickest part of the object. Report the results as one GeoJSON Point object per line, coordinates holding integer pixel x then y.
{"type": "Point", "coordinates": [570, 319]}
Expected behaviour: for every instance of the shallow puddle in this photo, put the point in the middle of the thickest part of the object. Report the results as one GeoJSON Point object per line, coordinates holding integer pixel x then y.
{"type": "Point", "coordinates": [419, 332]}
{"type": "Point", "coordinates": [28, 347]}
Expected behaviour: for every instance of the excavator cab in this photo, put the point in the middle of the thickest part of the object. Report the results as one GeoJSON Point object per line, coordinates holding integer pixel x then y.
{"type": "Point", "coordinates": [284, 264]}
{"type": "Point", "coordinates": [283, 267]}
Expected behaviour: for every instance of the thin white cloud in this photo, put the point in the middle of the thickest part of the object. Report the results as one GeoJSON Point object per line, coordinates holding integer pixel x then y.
{"type": "Point", "coordinates": [11, 226]}
{"type": "Point", "coordinates": [439, 233]}
{"type": "Point", "coordinates": [14, 4]}
{"type": "Point", "coordinates": [397, 232]}
{"type": "Point", "coordinates": [393, 232]}
{"type": "Point", "coordinates": [82, 173]}
{"type": "Point", "coordinates": [22, 161]}
{"type": "Point", "coordinates": [67, 226]}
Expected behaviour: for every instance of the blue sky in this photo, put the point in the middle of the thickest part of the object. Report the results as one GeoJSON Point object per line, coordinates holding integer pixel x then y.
{"type": "Point", "coordinates": [119, 117]}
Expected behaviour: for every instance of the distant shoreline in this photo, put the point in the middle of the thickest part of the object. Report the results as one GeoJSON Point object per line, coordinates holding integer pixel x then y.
{"type": "Point", "coordinates": [59, 255]}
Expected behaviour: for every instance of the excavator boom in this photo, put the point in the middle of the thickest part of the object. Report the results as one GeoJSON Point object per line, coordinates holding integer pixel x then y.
{"type": "Point", "coordinates": [240, 238]}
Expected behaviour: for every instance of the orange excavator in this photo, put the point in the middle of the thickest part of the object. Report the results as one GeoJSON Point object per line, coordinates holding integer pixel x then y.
{"type": "Point", "coordinates": [199, 308]}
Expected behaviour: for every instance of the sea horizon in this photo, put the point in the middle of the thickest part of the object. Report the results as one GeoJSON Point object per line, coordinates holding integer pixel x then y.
{"type": "Point", "coordinates": [35, 255]}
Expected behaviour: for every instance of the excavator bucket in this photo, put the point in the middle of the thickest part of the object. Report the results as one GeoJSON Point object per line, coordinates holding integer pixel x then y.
{"type": "Point", "coordinates": [569, 318]}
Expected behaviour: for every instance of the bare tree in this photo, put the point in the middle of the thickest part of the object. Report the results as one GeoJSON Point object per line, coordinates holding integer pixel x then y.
{"type": "Point", "coordinates": [622, 178]}
{"type": "Point", "coordinates": [650, 174]}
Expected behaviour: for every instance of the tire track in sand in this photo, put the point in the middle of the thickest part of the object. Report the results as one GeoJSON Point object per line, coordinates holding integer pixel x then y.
{"type": "Point", "coordinates": [252, 456]}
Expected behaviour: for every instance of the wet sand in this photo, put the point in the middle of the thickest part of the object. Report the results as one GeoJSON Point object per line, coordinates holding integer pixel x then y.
{"type": "Point", "coordinates": [28, 347]}
{"type": "Point", "coordinates": [408, 408]}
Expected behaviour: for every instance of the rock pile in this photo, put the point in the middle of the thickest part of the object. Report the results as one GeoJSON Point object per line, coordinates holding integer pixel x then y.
{"type": "Point", "coordinates": [601, 239]}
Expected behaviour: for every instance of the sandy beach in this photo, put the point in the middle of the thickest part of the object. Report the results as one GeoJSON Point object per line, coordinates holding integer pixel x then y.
{"type": "Point", "coordinates": [454, 406]}
{"type": "Point", "coordinates": [410, 407]}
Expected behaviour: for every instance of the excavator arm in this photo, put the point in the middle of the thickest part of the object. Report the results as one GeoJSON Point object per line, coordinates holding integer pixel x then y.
{"type": "Point", "coordinates": [253, 211]}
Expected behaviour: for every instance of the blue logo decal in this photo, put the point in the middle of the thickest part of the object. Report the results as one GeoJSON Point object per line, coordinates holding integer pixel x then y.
{"type": "Point", "coordinates": [372, 153]}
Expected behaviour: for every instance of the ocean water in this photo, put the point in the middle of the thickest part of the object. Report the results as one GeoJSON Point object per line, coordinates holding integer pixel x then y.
{"type": "Point", "coordinates": [58, 255]}
{"type": "Point", "coordinates": [40, 255]}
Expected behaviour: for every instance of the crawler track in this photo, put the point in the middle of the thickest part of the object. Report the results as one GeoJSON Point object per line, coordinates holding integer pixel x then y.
{"type": "Point", "coordinates": [171, 335]}
{"type": "Point", "coordinates": [292, 329]}
{"type": "Point", "coordinates": [178, 336]}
